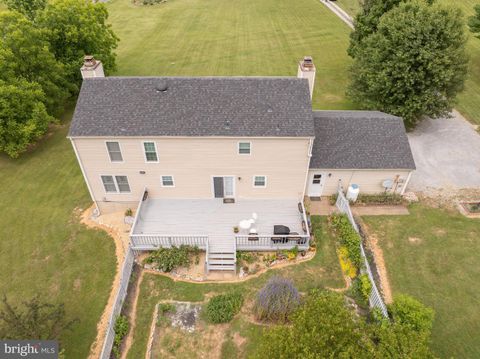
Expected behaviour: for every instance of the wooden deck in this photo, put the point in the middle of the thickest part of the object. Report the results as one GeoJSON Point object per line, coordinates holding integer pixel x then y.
{"type": "Point", "coordinates": [213, 218]}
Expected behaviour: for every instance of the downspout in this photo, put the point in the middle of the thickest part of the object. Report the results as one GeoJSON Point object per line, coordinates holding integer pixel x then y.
{"type": "Point", "coordinates": [83, 173]}
{"type": "Point", "coordinates": [309, 155]}
{"type": "Point", "coordinates": [406, 183]}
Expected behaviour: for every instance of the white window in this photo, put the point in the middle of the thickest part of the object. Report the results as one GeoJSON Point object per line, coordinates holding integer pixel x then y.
{"type": "Point", "coordinates": [259, 181]}
{"type": "Point", "coordinates": [150, 152]}
{"type": "Point", "coordinates": [122, 184]}
{"type": "Point", "coordinates": [114, 151]}
{"type": "Point", "coordinates": [244, 148]}
{"type": "Point", "coordinates": [115, 184]}
{"type": "Point", "coordinates": [167, 181]}
{"type": "Point", "coordinates": [109, 184]}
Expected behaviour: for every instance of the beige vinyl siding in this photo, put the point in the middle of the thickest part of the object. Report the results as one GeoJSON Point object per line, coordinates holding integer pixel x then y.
{"type": "Point", "coordinates": [369, 181]}
{"type": "Point", "coordinates": [193, 161]}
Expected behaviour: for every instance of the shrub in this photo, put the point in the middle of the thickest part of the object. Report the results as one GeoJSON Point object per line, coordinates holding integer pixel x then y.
{"type": "Point", "coordinates": [247, 257]}
{"type": "Point", "coordinates": [121, 329]}
{"type": "Point", "coordinates": [166, 259]}
{"type": "Point", "coordinates": [365, 286]}
{"type": "Point", "coordinates": [333, 199]}
{"type": "Point", "coordinates": [128, 212]}
{"type": "Point", "coordinates": [348, 237]}
{"type": "Point", "coordinates": [347, 266]}
{"type": "Point", "coordinates": [408, 311]}
{"type": "Point", "coordinates": [277, 300]}
{"type": "Point", "coordinates": [380, 198]}
{"type": "Point", "coordinates": [166, 308]}
{"type": "Point", "coordinates": [361, 289]}
{"type": "Point", "coordinates": [222, 308]}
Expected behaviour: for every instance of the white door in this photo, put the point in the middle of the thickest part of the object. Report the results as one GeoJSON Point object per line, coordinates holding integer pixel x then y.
{"type": "Point", "coordinates": [316, 182]}
{"type": "Point", "coordinates": [228, 184]}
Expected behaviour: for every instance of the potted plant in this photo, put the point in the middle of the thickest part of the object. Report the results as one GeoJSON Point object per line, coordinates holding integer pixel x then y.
{"type": "Point", "coordinates": [236, 229]}
{"type": "Point", "coordinates": [129, 219]}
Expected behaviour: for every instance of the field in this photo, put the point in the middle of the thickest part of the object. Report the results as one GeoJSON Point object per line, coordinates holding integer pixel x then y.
{"type": "Point", "coordinates": [224, 38]}
{"type": "Point", "coordinates": [43, 248]}
{"type": "Point", "coordinates": [322, 271]}
{"type": "Point", "coordinates": [432, 254]}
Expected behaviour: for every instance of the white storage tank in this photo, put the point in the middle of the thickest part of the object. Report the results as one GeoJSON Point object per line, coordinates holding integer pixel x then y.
{"type": "Point", "coordinates": [352, 192]}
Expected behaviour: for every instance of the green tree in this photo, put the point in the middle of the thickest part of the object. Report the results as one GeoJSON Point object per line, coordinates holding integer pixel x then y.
{"type": "Point", "coordinates": [410, 312]}
{"type": "Point", "coordinates": [25, 53]}
{"type": "Point", "coordinates": [34, 320]}
{"type": "Point", "coordinates": [414, 65]}
{"type": "Point", "coordinates": [29, 8]}
{"type": "Point", "coordinates": [77, 28]}
{"type": "Point", "coordinates": [321, 328]}
{"type": "Point", "coordinates": [23, 116]}
{"type": "Point", "coordinates": [474, 22]}
{"type": "Point", "coordinates": [367, 20]}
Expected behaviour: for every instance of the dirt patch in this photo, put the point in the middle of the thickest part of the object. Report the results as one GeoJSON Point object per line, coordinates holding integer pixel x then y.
{"type": "Point", "coordinates": [376, 250]}
{"type": "Point", "coordinates": [115, 227]}
{"type": "Point", "coordinates": [439, 232]}
{"type": "Point", "coordinates": [239, 340]}
{"type": "Point", "coordinates": [182, 334]}
{"type": "Point", "coordinates": [77, 284]}
{"type": "Point", "coordinates": [415, 240]}
{"type": "Point", "coordinates": [448, 198]}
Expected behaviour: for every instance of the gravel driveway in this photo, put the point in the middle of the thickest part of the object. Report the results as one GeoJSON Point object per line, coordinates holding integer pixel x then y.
{"type": "Point", "coordinates": [447, 154]}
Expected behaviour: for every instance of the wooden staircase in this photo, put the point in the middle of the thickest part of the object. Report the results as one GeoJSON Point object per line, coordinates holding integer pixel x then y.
{"type": "Point", "coordinates": [221, 254]}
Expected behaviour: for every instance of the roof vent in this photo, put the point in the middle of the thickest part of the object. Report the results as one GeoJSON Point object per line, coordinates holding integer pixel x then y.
{"type": "Point", "coordinates": [227, 124]}
{"type": "Point", "coordinates": [278, 128]}
{"type": "Point", "coordinates": [269, 109]}
{"type": "Point", "coordinates": [162, 86]}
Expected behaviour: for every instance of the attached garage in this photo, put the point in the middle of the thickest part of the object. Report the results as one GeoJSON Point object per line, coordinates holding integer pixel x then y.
{"type": "Point", "coordinates": [367, 148]}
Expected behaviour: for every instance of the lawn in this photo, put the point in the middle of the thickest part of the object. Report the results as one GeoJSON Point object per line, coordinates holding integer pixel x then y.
{"type": "Point", "coordinates": [43, 247]}
{"type": "Point", "coordinates": [433, 255]}
{"type": "Point", "coordinates": [228, 38]}
{"type": "Point", "coordinates": [322, 271]}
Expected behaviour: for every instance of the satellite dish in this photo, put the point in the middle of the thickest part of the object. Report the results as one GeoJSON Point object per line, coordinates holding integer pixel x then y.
{"type": "Point", "coordinates": [387, 184]}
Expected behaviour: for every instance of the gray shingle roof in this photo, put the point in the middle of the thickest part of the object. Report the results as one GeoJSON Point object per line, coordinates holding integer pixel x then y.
{"type": "Point", "coordinates": [360, 140]}
{"type": "Point", "coordinates": [207, 106]}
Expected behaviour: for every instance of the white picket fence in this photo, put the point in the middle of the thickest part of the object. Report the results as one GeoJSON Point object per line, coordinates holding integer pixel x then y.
{"type": "Point", "coordinates": [117, 307]}
{"type": "Point", "coordinates": [375, 300]}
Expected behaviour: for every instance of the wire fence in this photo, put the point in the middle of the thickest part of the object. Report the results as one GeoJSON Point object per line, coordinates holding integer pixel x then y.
{"type": "Point", "coordinates": [375, 300]}
{"type": "Point", "coordinates": [117, 306]}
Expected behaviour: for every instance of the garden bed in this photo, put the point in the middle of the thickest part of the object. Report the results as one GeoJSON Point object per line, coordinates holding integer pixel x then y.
{"type": "Point", "coordinates": [249, 264]}
{"type": "Point", "coordinates": [470, 209]}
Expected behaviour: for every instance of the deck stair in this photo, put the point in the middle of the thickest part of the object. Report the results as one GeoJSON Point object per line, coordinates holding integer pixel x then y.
{"type": "Point", "coordinates": [221, 254]}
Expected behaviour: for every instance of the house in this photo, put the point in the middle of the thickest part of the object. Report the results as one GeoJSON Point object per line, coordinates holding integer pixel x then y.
{"type": "Point", "coordinates": [198, 156]}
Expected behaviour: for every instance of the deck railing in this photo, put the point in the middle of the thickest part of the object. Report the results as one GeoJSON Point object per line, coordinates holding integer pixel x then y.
{"type": "Point", "coordinates": [271, 242]}
{"type": "Point", "coordinates": [148, 242]}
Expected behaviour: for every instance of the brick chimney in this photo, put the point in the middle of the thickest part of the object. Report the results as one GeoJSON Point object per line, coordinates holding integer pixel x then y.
{"type": "Point", "coordinates": [306, 70]}
{"type": "Point", "coordinates": [91, 68]}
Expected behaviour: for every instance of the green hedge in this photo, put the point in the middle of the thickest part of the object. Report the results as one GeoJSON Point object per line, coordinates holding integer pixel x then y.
{"type": "Point", "coordinates": [167, 259]}
{"type": "Point", "coordinates": [347, 237]}
{"type": "Point", "coordinates": [222, 308]}
{"type": "Point", "coordinates": [380, 198]}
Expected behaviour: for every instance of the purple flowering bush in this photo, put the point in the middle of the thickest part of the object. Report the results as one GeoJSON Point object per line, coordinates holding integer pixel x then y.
{"type": "Point", "coordinates": [277, 300]}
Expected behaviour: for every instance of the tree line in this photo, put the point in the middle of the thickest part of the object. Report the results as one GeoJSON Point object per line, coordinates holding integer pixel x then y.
{"type": "Point", "coordinates": [41, 51]}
